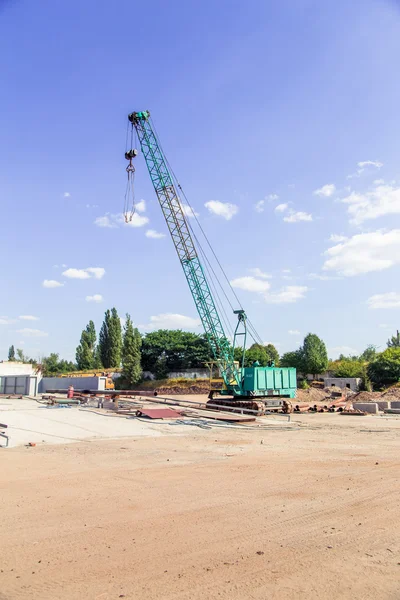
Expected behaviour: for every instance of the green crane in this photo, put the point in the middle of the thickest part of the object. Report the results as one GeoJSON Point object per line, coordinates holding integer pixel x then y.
{"type": "Point", "coordinates": [239, 382]}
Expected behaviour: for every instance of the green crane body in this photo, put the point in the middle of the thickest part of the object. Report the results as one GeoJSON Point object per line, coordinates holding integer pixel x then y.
{"type": "Point", "coordinates": [240, 382]}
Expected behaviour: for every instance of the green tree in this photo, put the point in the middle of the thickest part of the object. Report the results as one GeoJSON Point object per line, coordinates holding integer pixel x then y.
{"type": "Point", "coordinates": [293, 359]}
{"type": "Point", "coordinates": [172, 350]}
{"type": "Point", "coordinates": [115, 336]}
{"type": "Point", "coordinates": [52, 365]}
{"type": "Point", "coordinates": [394, 341]}
{"type": "Point", "coordinates": [256, 353]}
{"type": "Point", "coordinates": [385, 369]}
{"type": "Point", "coordinates": [11, 354]}
{"type": "Point", "coordinates": [104, 341]}
{"type": "Point", "coordinates": [314, 353]}
{"type": "Point", "coordinates": [91, 335]}
{"type": "Point", "coordinates": [237, 355]}
{"type": "Point", "coordinates": [85, 352]}
{"type": "Point", "coordinates": [21, 356]}
{"type": "Point", "coordinates": [161, 368]}
{"type": "Point", "coordinates": [369, 353]}
{"type": "Point", "coordinates": [97, 364]}
{"type": "Point", "coordinates": [348, 368]}
{"type": "Point", "coordinates": [272, 353]}
{"type": "Point", "coordinates": [131, 368]}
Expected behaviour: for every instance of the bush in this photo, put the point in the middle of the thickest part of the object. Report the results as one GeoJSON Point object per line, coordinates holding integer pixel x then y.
{"type": "Point", "coordinates": [385, 370]}
{"type": "Point", "coordinates": [303, 384]}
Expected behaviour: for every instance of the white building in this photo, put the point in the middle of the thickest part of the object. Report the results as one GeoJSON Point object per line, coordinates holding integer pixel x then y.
{"type": "Point", "coordinates": [19, 378]}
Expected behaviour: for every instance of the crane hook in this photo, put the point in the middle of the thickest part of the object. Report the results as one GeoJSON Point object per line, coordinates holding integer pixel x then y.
{"type": "Point", "coordinates": [129, 207]}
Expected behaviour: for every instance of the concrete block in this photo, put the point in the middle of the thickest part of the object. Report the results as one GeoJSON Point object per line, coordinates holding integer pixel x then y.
{"type": "Point", "coordinates": [383, 404]}
{"type": "Point", "coordinates": [395, 404]}
{"type": "Point", "coordinates": [369, 407]}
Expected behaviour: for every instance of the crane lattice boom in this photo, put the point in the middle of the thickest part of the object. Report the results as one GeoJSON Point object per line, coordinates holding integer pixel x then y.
{"type": "Point", "coordinates": [179, 229]}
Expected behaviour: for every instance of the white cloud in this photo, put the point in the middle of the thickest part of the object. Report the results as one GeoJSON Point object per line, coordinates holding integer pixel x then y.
{"type": "Point", "coordinates": [364, 253]}
{"type": "Point", "coordinates": [383, 200]}
{"type": "Point", "coordinates": [51, 283]}
{"type": "Point", "coordinates": [28, 318]}
{"type": "Point", "coordinates": [105, 221]}
{"type": "Point", "coordinates": [294, 332]}
{"type": "Point", "coordinates": [95, 272]}
{"type": "Point", "coordinates": [6, 321]}
{"type": "Point", "coordinates": [188, 211]}
{"type": "Point", "coordinates": [345, 350]}
{"type": "Point", "coordinates": [288, 294]}
{"type": "Point", "coordinates": [337, 238]}
{"type": "Point", "coordinates": [379, 181]}
{"type": "Point", "coordinates": [259, 206]}
{"type": "Point", "coordinates": [141, 206]}
{"type": "Point", "coordinates": [326, 190]}
{"type": "Point", "coordinates": [250, 284]}
{"type": "Point", "coordinates": [172, 321]}
{"type": "Point", "coordinates": [76, 274]}
{"type": "Point", "coordinates": [97, 298]}
{"type": "Point", "coordinates": [286, 270]}
{"type": "Point", "coordinates": [362, 165]}
{"type": "Point", "coordinates": [273, 197]}
{"type": "Point", "coordinates": [258, 273]}
{"type": "Point", "coordinates": [151, 233]}
{"type": "Point", "coordinates": [281, 207]}
{"type": "Point", "coordinates": [388, 300]}
{"type": "Point", "coordinates": [67, 195]}
{"type": "Point", "coordinates": [295, 217]}
{"type": "Point", "coordinates": [370, 163]}
{"type": "Point", "coordinates": [92, 206]}
{"type": "Point", "coordinates": [32, 332]}
{"type": "Point", "coordinates": [222, 209]}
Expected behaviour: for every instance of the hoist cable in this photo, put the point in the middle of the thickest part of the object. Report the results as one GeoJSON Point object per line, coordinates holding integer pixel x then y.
{"type": "Point", "coordinates": [252, 331]}
{"type": "Point", "coordinates": [198, 223]}
{"type": "Point", "coordinates": [192, 230]}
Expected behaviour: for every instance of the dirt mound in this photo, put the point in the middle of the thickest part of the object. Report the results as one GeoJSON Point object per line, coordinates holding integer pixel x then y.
{"type": "Point", "coordinates": [392, 393]}
{"type": "Point", "coordinates": [311, 395]}
{"type": "Point", "coordinates": [366, 397]}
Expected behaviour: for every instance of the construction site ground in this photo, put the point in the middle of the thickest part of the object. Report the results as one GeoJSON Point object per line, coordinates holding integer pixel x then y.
{"type": "Point", "coordinates": [109, 507]}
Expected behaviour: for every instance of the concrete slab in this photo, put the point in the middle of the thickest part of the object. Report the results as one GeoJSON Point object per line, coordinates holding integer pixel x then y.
{"type": "Point", "coordinates": [29, 421]}
{"type": "Point", "coordinates": [383, 405]}
{"type": "Point", "coordinates": [369, 407]}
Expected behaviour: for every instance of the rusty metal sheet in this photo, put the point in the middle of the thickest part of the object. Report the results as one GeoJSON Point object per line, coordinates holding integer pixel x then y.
{"type": "Point", "coordinates": [158, 413]}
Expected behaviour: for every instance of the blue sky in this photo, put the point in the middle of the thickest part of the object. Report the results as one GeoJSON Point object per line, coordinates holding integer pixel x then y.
{"type": "Point", "coordinates": [281, 122]}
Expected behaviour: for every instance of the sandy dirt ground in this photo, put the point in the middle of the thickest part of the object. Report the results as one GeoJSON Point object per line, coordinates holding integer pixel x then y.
{"type": "Point", "coordinates": [310, 512]}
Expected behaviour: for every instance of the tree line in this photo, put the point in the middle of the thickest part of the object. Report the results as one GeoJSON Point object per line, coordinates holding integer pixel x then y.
{"type": "Point", "coordinates": [163, 351]}
{"type": "Point", "coordinates": [376, 369]}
